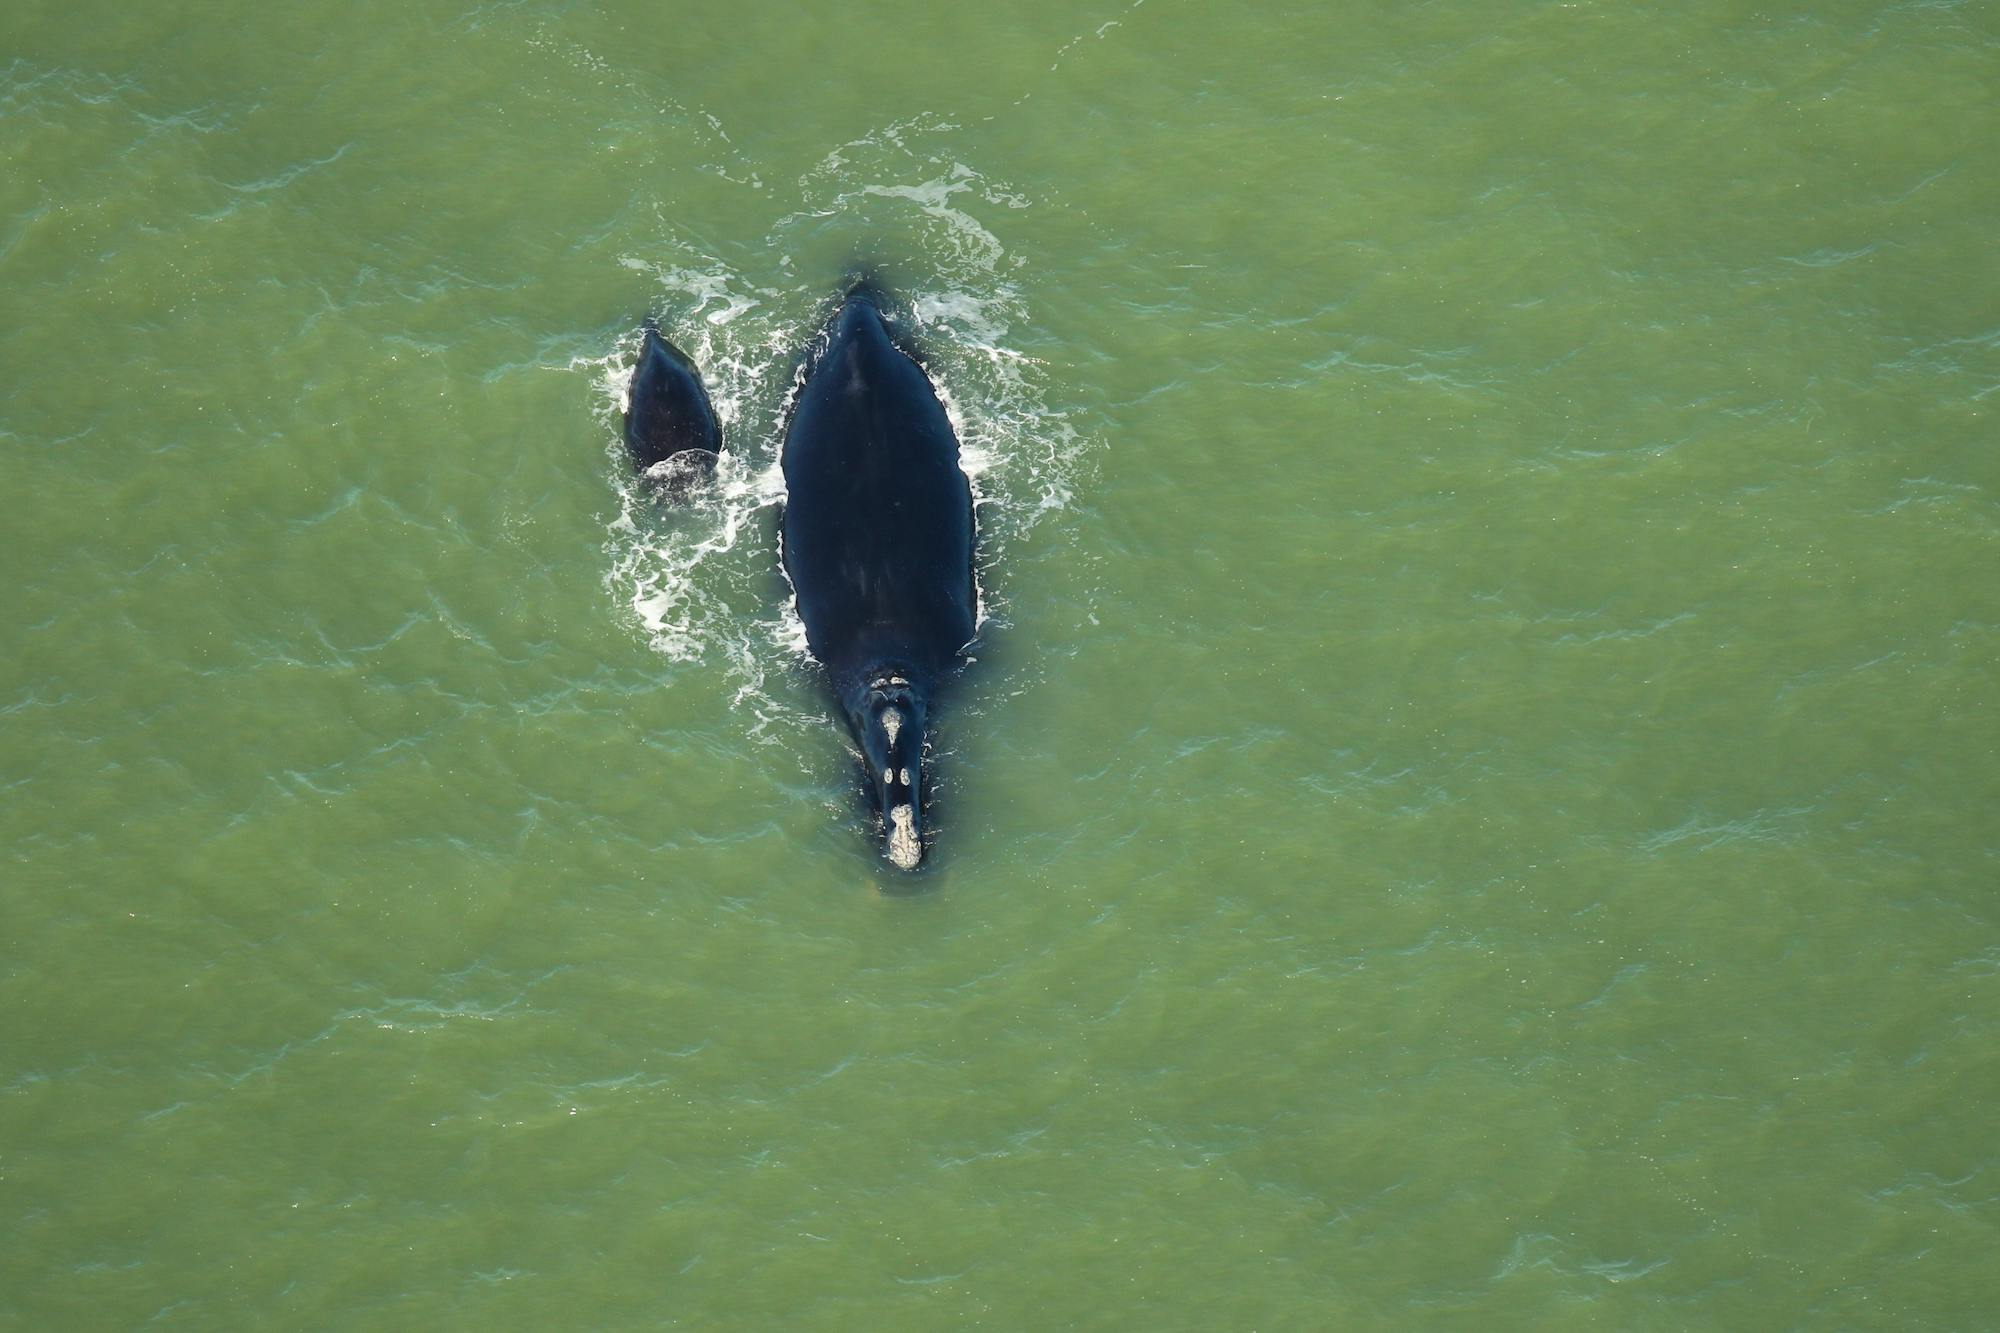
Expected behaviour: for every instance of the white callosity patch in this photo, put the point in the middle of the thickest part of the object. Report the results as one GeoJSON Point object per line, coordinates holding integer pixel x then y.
{"type": "Point", "coordinates": [906, 777]}
{"type": "Point", "coordinates": [892, 724]}
{"type": "Point", "coordinates": [905, 848]}
{"type": "Point", "coordinates": [888, 776]}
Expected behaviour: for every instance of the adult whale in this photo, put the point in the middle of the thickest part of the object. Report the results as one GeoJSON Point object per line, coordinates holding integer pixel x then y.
{"type": "Point", "coordinates": [668, 418]}
{"type": "Point", "coordinates": [878, 538]}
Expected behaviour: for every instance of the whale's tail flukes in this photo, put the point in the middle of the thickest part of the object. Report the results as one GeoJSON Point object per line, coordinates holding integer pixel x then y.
{"type": "Point", "coordinates": [865, 283]}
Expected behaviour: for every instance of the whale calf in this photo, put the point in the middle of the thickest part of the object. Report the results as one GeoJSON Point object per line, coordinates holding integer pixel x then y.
{"type": "Point", "coordinates": [670, 425]}
{"type": "Point", "coordinates": [878, 542]}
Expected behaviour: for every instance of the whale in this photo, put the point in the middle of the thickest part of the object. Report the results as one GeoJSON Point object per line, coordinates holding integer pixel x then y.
{"type": "Point", "coordinates": [877, 539]}
{"type": "Point", "coordinates": [670, 427]}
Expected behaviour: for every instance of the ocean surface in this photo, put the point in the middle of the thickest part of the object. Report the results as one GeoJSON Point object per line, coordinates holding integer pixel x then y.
{"type": "Point", "coordinates": [1476, 802]}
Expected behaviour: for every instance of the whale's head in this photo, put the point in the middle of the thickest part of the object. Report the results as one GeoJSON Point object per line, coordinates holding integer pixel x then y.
{"type": "Point", "coordinates": [888, 720]}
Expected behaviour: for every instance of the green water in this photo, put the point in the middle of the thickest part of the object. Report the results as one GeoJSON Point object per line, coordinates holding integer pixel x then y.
{"type": "Point", "coordinates": [1476, 804]}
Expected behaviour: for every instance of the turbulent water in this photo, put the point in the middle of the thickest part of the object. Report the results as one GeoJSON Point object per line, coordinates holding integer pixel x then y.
{"type": "Point", "coordinates": [1472, 807]}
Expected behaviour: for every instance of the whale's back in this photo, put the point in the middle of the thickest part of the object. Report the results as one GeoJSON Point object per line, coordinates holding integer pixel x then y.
{"type": "Point", "coordinates": [878, 529]}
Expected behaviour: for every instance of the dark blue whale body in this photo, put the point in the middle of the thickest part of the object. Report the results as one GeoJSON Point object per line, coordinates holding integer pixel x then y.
{"type": "Point", "coordinates": [878, 542]}
{"type": "Point", "coordinates": [668, 418]}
